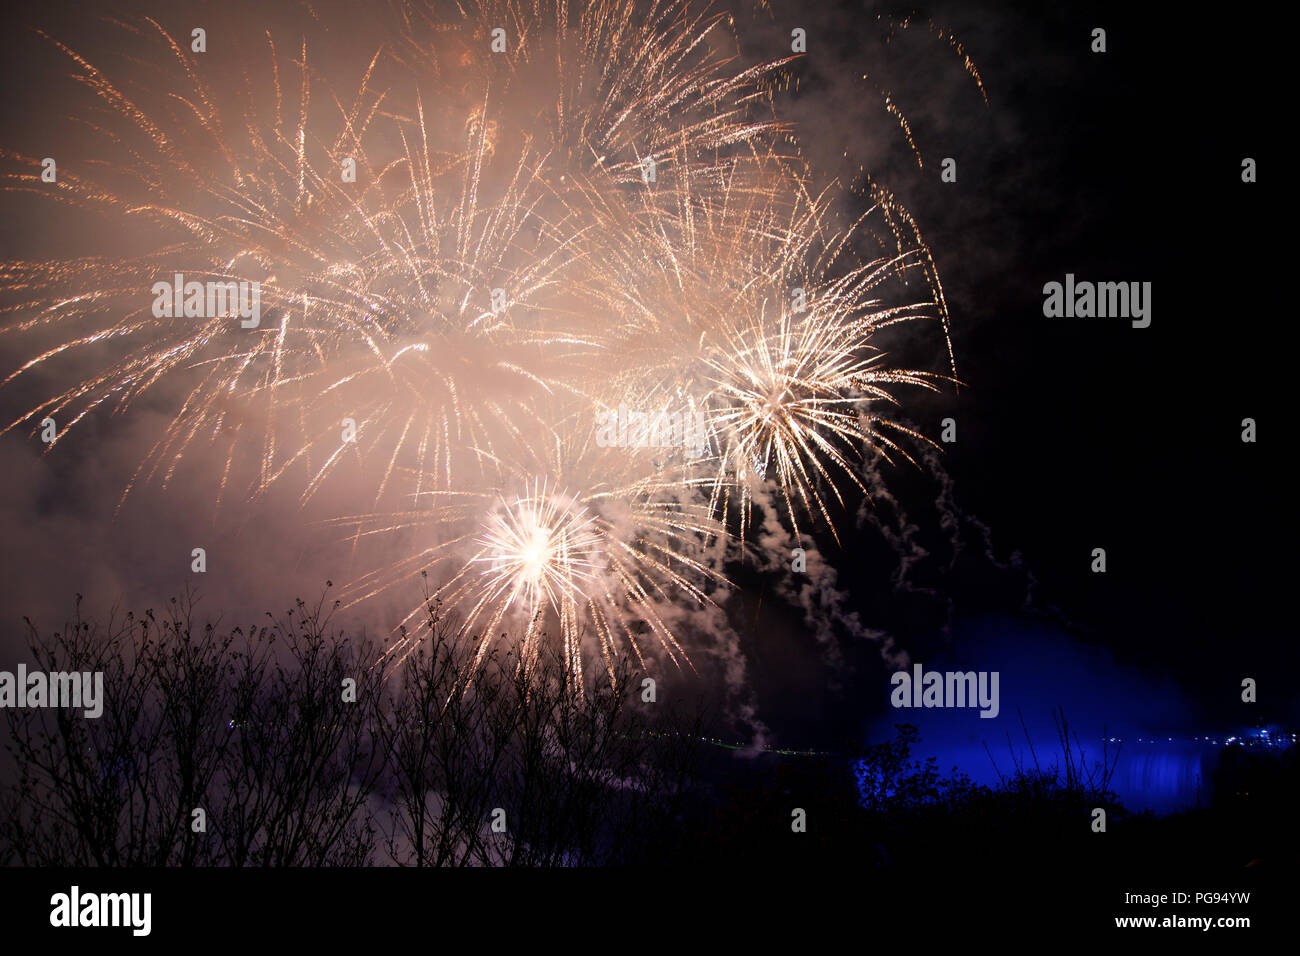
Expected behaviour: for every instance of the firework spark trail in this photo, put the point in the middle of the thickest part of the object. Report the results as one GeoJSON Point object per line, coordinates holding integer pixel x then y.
{"type": "Point", "coordinates": [253, 209]}
{"type": "Point", "coordinates": [607, 86]}
{"type": "Point", "coordinates": [703, 301]}
{"type": "Point", "coordinates": [443, 363]}
{"type": "Point", "coordinates": [605, 214]}
{"type": "Point", "coordinates": [590, 537]}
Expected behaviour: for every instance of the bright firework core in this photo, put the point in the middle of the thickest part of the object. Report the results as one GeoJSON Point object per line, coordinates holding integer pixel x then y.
{"type": "Point", "coordinates": [538, 549]}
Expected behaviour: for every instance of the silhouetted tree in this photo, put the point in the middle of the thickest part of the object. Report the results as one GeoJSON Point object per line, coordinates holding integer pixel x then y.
{"type": "Point", "coordinates": [248, 726]}
{"type": "Point", "coordinates": [253, 728]}
{"type": "Point", "coordinates": [570, 778]}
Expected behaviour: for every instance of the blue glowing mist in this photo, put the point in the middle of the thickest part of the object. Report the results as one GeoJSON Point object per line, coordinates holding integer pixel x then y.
{"type": "Point", "coordinates": [1144, 727]}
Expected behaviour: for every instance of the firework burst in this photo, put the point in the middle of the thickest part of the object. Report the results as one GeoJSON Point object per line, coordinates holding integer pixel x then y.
{"type": "Point", "coordinates": [246, 194]}
{"type": "Point", "coordinates": [587, 540]}
{"type": "Point", "coordinates": [594, 209]}
{"type": "Point", "coordinates": [738, 297]}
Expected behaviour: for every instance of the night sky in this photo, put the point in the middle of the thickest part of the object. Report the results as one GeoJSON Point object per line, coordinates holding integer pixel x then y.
{"type": "Point", "coordinates": [1072, 433]}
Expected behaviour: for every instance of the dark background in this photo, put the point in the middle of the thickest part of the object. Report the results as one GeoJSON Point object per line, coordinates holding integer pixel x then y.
{"type": "Point", "coordinates": [1083, 433]}
{"type": "Point", "coordinates": [1072, 433]}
